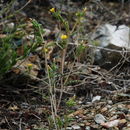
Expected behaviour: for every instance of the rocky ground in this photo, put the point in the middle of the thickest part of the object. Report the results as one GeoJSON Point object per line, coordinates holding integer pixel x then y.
{"type": "Point", "coordinates": [94, 98]}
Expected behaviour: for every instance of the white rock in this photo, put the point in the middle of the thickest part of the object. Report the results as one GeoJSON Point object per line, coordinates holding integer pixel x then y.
{"type": "Point", "coordinates": [111, 43]}
{"type": "Point", "coordinates": [96, 98]}
{"type": "Point", "coordinates": [109, 34]}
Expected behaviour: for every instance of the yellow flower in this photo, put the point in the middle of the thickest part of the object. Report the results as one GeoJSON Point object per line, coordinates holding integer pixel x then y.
{"type": "Point", "coordinates": [77, 13]}
{"type": "Point", "coordinates": [64, 37]}
{"type": "Point", "coordinates": [49, 68]}
{"type": "Point", "coordinates": [82, 19]}
{"type": "Point", "coordinates": [46, 50]}
{"type": "Point", "coordinates": [52, 10]}
{"type": "Point", "coordinates": [29, 65]}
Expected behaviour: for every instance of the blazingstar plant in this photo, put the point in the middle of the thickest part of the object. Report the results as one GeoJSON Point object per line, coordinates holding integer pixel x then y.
{"type": "Point", "coordinates": [62, 42]}
{"type": "Point", "coordinates": [68, 33]}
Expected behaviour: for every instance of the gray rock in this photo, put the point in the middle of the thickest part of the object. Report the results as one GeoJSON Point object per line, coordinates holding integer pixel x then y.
{"type": "Point", "coordinates": [99, 118]}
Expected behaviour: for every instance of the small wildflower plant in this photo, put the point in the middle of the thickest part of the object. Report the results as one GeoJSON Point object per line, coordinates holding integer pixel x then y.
{"type": "Point", "coordinates": [29, 67]}
{"type": "Point", "coordinates": [8, 57]}
{"type": "Point", "coordinates": [71, 102]}
{"type": "Point", "coordinates": [64, 38]}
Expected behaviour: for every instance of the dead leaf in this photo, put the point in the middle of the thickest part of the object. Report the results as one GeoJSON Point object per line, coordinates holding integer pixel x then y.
{"type": "Point", "coordinates": [13, 108]}
{"type": "Point", "coordinates": [16, 70]}
{"type": "Point", "coordinates": [76, 113]}
{"type": "Point", "coordinates": [114, 123]}
{"type": "Point", "coordinates": [3, 35]}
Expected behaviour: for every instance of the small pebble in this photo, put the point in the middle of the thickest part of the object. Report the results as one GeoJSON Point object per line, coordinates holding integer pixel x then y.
{"type": "Point", "coordinates": [113, 118]}
{"type": "Point", "coordinates": [113, 112]}
{"type": "Point", "coordinates": [80, 102]}
{"type": "Point", "coordinates": [119, 106]}
{"type": "Point", "coordinates": [99, 118]}
{"type": "Point", "coordinates": [82, 124]}
{"type": "Point", "coordinates": [77, 117]}
{"type": "Point", "coordinates": [128, 118]}
{"type": "Point", "coordinates": [108, 106]}
{"type": "Point", "coordinates": [24, 105]}
{"type": "Point", "coordinates": [128, 125]}
{"type": "Point", "coordinates": [10, 25]}
{"type": "Point", "coordinates": [96, 98]}
{"type": "Point", "coordinates": [104, 109]}
{"type": "Point", "coordinates": [76, 127]}
{"type": "Point", "coordinates": [125, 128]}
{"type": "Point", "coordinates": [110, 102]}
{"type": "Point", "coordinates": [87, 128]}
{"type": "Point", "coordinates": [69, 128]}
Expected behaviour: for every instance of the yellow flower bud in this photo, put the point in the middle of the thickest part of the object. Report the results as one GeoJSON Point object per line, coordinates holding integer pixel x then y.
{"type": "Point", "coordinates": [46, 50]}
{"type": "Point", "coordinates": [85, 9]}
{"type": "Point", "coordinates": [64, 37]}
{"type": "Point", "coordinates": [49, 68]}
{"type": "Point", "coordinates": [29, 65]}
{"type": "Point", "coordinates": [82, 19]}
{"type": "Point", "coordinates": [52, 10]}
